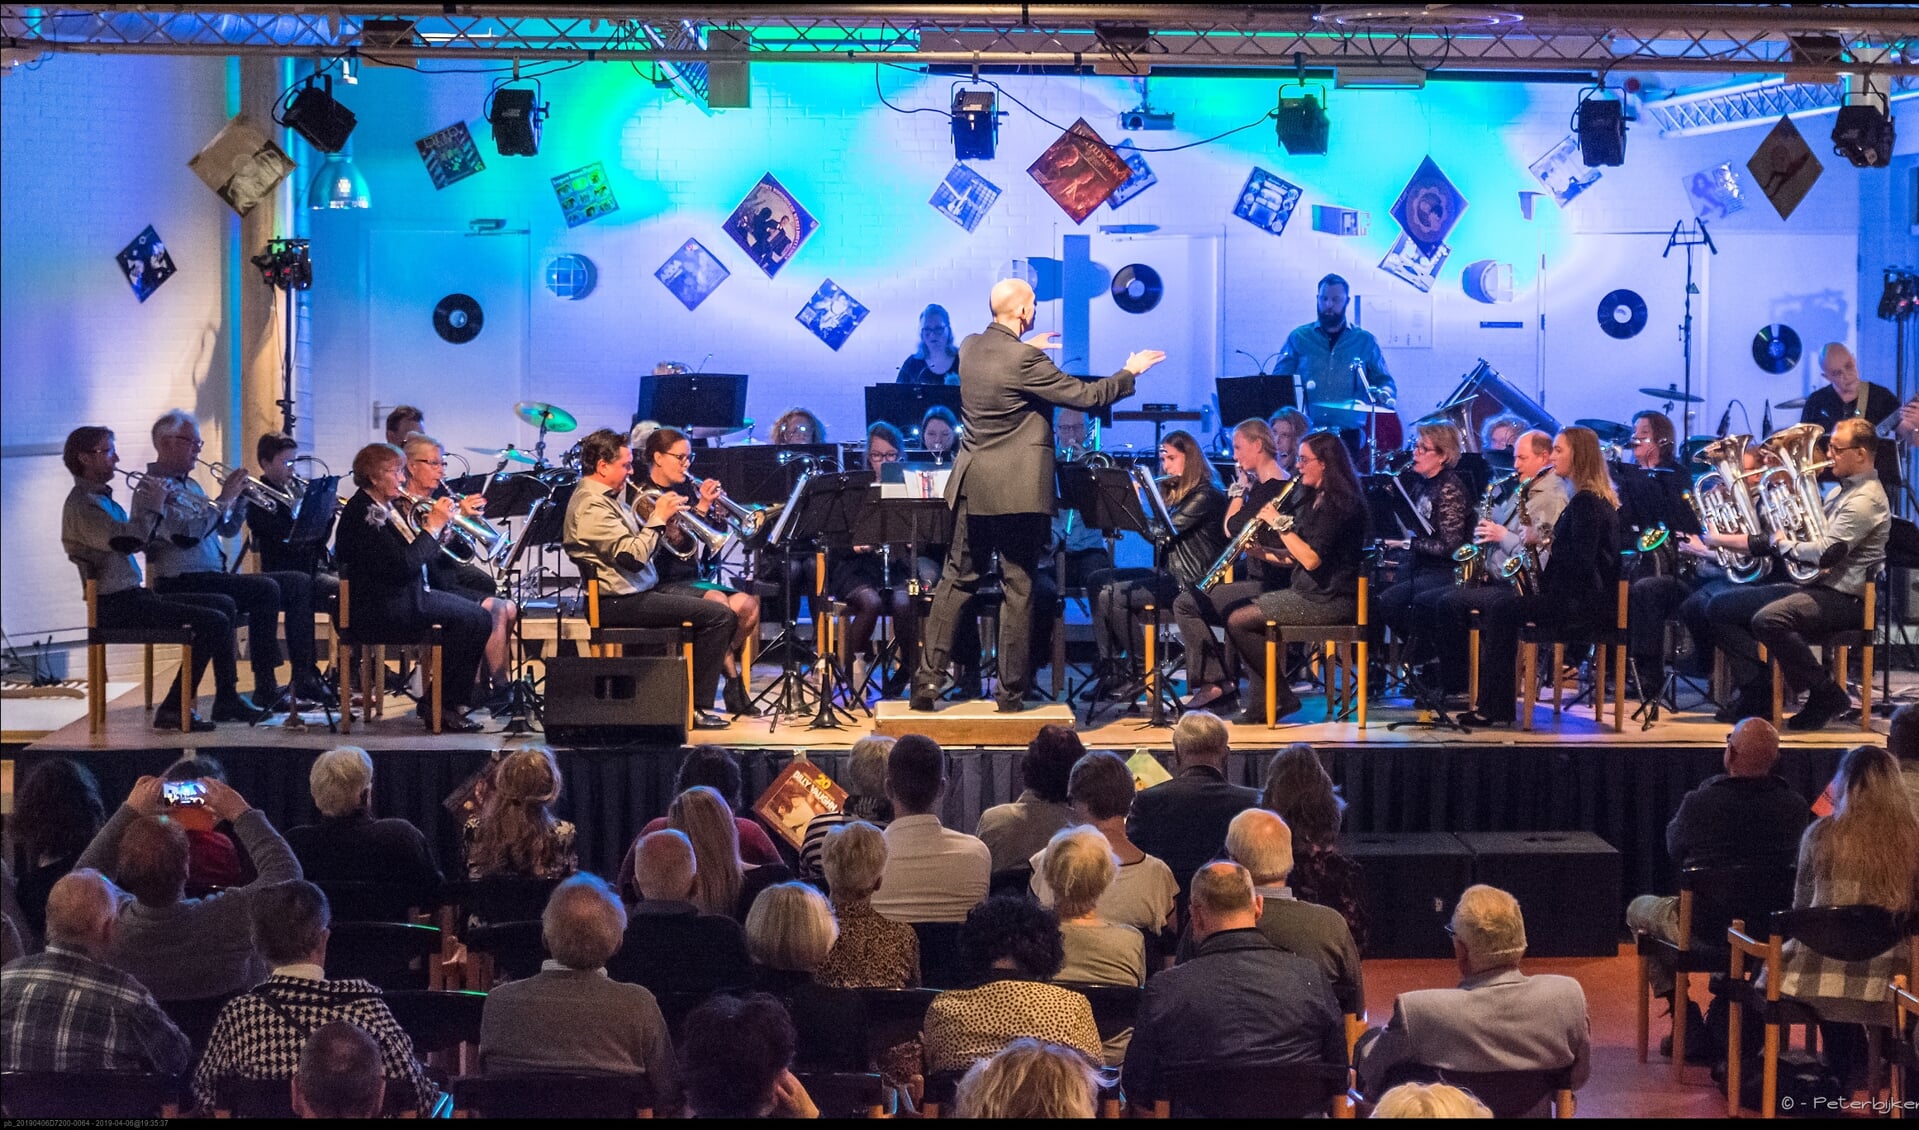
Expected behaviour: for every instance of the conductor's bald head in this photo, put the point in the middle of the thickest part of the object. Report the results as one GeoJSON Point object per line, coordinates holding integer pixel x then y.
{"type": "Point", "coordinates": [1012, 301]}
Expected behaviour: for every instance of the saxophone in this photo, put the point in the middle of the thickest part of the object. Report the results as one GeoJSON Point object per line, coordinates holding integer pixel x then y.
{"type": "Point", "coordinates": [1252, 529]}
{"type": "Point", "coordinates": [1469, 560]}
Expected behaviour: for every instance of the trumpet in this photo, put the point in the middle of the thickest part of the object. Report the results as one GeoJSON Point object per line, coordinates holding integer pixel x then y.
{"type": "Point", "coordinates": [258, 492]}
{"type": "Point", "coordinates": [473, 537]}
{"type": "Point", "coordinates": [747, 522]}
{"type": "Point", "coordinates": [201, 506]}
{"type": "Point", "coordinates": [1253, 528]}
{"type": "Point", "coordinates": [694, 533]}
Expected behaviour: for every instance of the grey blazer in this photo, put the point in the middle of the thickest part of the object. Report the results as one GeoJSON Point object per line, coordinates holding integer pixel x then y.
{"type": "Point", "coordinates": [1008, 391]}
{"type": "Point", "coordinates": [1501, 1020]}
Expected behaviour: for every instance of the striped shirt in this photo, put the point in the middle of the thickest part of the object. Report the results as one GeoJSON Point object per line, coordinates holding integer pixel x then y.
{"type": "Point", "coordinates": [63, 1011]}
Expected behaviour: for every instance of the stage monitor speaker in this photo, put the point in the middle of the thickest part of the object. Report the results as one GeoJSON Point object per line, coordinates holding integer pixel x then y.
{"type": "Point", "coordinates": [1567, 884]}
{"type": "Point", "coordinates": [629, 701]}
{"type": "Point", "coordinates": [1412, 881]}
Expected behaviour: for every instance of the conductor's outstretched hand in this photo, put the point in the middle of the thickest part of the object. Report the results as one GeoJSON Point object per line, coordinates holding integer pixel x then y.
{"type": "Point", "coordinates": [1044, 339]}
{"type": "Point", "coordinates": [1144, 360]}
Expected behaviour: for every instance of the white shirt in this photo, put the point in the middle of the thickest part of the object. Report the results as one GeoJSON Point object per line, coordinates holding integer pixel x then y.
{"type": "Point", "coordinates": [933, 874]}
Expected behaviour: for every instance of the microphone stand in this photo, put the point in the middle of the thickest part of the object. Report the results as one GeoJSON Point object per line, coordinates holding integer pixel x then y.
{"type": "Point", "coordinates": [1700, 237]}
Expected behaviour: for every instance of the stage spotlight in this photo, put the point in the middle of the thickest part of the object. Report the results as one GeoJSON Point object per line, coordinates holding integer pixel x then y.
{"type": "Point", "coordinates": [1863, 135]}
{"type": "Point", "coordinates": [1601, 125]}
{"type": "Point", "coordinates": [975, 124]}
{"type": "Point", "coordinates": [315, 116]}
{"type": "Point", "coordinates": [338, 184]}
{"type": "Point", "coordinates": [1301, 124]}
{"type": "Point", "coordinates": [516, 114]}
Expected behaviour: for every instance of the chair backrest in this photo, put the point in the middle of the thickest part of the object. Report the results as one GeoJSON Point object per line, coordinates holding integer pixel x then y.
{"type": "Point", "coordinates": [941, 966]}
{"type": "Point", "coordinates": [392, 955]}
{"type": "Point", "coordinates": [841, 1029]}
{"type": "Point", "coordinates": [1115, 1007]}
{"type": "Point", "coordinates": [505, 898]}
{"type": "Point", "coordinates": [1511, 1094]}
{"type": "Point", "coordinates": [195, 1017]}
{"type": "Point", "coordinates": [516, 947]}
{"type": "Point", "coordinates": [1015, 881]}
{"type": "Point", "coordinates": [357, 901]}
{"type": "Point", "coordinates": [437, 1020]}
{"type": "Point", "coordinates": [88, 1094]}
{"type": "Point", "coordinates": [542, 1096]}
{"type": "Point", "coordinates": [939, 1090]}
{"type": "Point", "coordinates": [1273, 1090]}
{"type": "Point", "coordinates": [845, 1094]}
{"type": "Point", "coordinates": [254, 1098]}
{"type": "Point", "coordinates": [1748, 891]}
{"type": "Point", "coordinates": [1843, 933]}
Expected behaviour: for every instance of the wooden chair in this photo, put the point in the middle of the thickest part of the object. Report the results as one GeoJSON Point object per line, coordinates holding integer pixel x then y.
{"type": "Point", "coordinates": [1346, 661]}
{"type": "Point", "coordinates": [363, 662]}
{"type": "Point", "coordinates": [1710, 899]}
{"type": "Point", "coordinates": [1844, 933]}
{"type": "Point", "coordinates": [1115, 1007]}
{"type": "Point", "coordinates": [846, 1094]}
{"type": "Point", "coordinates": [89, 1094]}
{"type": "Point", "coordinates": [537, 1097]}
{"type": "Point", "coordinates": [1276, 1090]}
{"type": "Point", "coordinates": [1603, 640]}
{"type": "Point", "coordinates": [99, 638]}
{"type": "Point", "coordinates": [516, 947]}
{"type": "Point", "coordinates": [938, 1092]}
{"type": "Point", "coordinates": [941, 966]}
{"type": "Point", "coordinates": [352, 900]}
{"type": "Point", "coordinates": [237, 1097]}
{"type": "Point", "coordinates": [1836, 648]}
{"type": "Point", "coordinates": [1905, 1072]}
{"type": "Point", "coordinates": [1516, 1094]}
{"type": "Point", "coordinates": [603, 642]}
{"type": "Point", "coordinates": [392, 955]}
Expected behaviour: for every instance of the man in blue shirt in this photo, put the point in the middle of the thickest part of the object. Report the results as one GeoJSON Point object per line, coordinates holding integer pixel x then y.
{"type": "Point", "coordinates": [1331, 358]}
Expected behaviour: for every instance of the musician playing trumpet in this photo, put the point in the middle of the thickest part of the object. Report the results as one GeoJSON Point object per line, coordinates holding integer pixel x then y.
{"type": "Point", "coordinates": [270, 527]}
{"type": "Point", "coordinates": [426, 481]}
{"type": "Point", "coordinates": [1850, 550]}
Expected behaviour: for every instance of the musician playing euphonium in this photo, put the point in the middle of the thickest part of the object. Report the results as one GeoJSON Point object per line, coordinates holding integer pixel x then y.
{"type": "Point", "coordinates": [668, 456]}
{"type": "Point", "coordinates": [616, 545]}
{"type": "Point", "coordinates": [1322, 534]}
{"type": "Point", "coordinates": [1652, 493]}
{"type": "Point", "coordinates": [1781, 616]}
{"type": "Point", "coordinates": [1259, 481]}
{"type": "Point", "coordinates": [1426, 561]}
{"type": "Point", "coordinates": [426, 480]}
{"type": "Point", "coordinates": [1577, 583]}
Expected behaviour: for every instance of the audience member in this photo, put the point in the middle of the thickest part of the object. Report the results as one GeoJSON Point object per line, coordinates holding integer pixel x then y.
{"type": "Point", "coordinates": [1029, 1079]}
{"type": "Point", "coordinates": [1429, 1100]}
{"type": "Point", "coordinates": [1302, 792]}
{"type": "Point", "coordinates": [865, 785]}
{"type": "Point", "coordinates": [933, 874]}
{"type": "Point", "coordinates": [67, 1009]}
{"type": "Point", "coordinates": [872, 951]}
{"type": "Point", "coordinates": [736, 1055]}
{"type": "Point", "coordinates": [1498, 1019]}
{"type": "Point", "coordinates": [1865, 854]}
{"type": "Point", "coordinates": [570, 1017]}
{"type": "Point", "coordinates": [1902, 741]}
{"type": "Point", "coordinates": [1013, 945]}
{"type": "Point", "coordinates": [1143, 894]}
{"type": "Point", "coordinates": [1183, 821]}
{"type": "Point", "coordinates": [339, 1074]}
{"type": "Point", "coordinates": [789, 932]}
{"type": "Point", "coordinates": [56, 813]}
{"type": "Point", "coordinates": [261, 1033]}
{"type": "Point", "coordinates": [671, 946]}
{"type": "Point", "coordinates": [1015, 832]}
{"type": "Point", "coordinates": [724, 883]}
{"type": "Point", "coordinates": [717, 768]}
{"type": "Point", "coordinates": [213, 858]}
{"type": "Point", "coordinates": [515, 832]}
{"type": "Point", "coordinates": [1239, 999]}
{"type": "Point", "coordinates": [1079, 867]}
{"type": "Point", "coordinates": [182, 948]}
{"type": "Point", "coordinates": [349, 845]}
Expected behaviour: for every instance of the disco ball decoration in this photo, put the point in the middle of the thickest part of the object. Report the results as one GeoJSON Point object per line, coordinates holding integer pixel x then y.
{"type": "Point", "coordinates": [571, 276]}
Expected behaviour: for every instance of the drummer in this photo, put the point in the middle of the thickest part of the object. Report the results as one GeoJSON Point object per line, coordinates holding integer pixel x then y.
{"type": "Point", "coordinates": [1339, 366]}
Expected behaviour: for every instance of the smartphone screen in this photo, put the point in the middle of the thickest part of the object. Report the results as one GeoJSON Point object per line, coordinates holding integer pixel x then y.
{"type": "Point", "coordinates": [185, 792]}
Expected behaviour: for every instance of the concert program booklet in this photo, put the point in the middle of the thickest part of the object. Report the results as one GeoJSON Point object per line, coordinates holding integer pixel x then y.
{"type": "Point", "coordinates": [798, 793]}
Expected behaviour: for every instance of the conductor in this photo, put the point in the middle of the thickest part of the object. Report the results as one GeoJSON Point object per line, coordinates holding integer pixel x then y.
{"type": "Point", "coordinates": [1001, 489]}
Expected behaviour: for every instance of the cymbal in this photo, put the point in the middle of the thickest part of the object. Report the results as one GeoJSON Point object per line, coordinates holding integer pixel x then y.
{"type": "Point", "coordinates": [535, 413]}
{"type": "Point", "coordinates": [510, 454]}
{"type": "Point", "coordinates": [1353, 406]}
{"type": "Point", "coordinates": [1795, 402]}
{"type": "Point", "coordinates": [1674, 395]}
{"type": "Point", "coordinates": [1606, 429]}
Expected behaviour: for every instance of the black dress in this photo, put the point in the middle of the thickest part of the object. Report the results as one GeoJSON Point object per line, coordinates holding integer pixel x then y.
{"type": "Point", "coordinates": [916, 372]}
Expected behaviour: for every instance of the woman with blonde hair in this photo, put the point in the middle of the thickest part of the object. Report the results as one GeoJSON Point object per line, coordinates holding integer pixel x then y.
{"type": "Point", "coordinates": [1029, 1079]}
{"type": "Point", "coordinates": [515, 832]}
{"type": "Point", "coordinates": [789, 932]}
{"type": "Point", "coordinates": [797, 426]}
{"type": "Point", "coordinates": [1429, 1100]}
{"type": "Point", "coordinates": [1426, 562]}
{"type": "Point", "coordinates": [722, 883]}
{"type": "Point", "coordinates": [1577, 585]}
{"type": "Point", "coordinates": [936, 360]}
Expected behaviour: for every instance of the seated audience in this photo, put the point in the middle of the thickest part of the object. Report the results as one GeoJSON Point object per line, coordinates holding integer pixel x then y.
{"type": "Point", "coordinates": [1183, 821]}
{"type": "Point", "coordinates": [339, 1074]}
{"type": "Point", "coordinates": [515, 832]}
{"type": "Point", "coordinates": [1029, 1079]}
{"type": "Point", "coordinates": [1902, 741]}
{"type": "Point", "coordinates": [1015, 832]}
{"type": "Point", "coordinates": [933, 874]}
{"type": "Point", "coordinates": [1079, 867]}
{"type": "Point", "coordinates": [185, 948]}
{"type": "Point", "coordinates": [718, 768]}
{"type": "Point", "coordinates": [56, 813]}
{"type": "Point", "coordinates": [261, 1033]}
{"type": "Point", "coordinates": [1429, 1100]}
{"type": "Point", "coordinates": [348, 845]}
{"type": "Point", "coordinates": [671, 946]}
{"type": "Point", "coordinates": [213, 859]}
{"type": "Point", "coordinates": [1142, 894]}
{"type": "Point", "coordinates": [724, 883]}
{"type": "Point", "coordinates": [789, 932]}
{"type": "Point", "coordinates": [865, 785]}
{"type": "Point", "coordinates": [1498, 1019]}
{"type": "Point", "coordinates": [1014, 947]}
{"type": "Point", "coordinates": [1238, 999]}
{"type": "Point", "coordinates": [872, 951]}
{"type": "Point", "coordinates": [67, 1009]}
{"type": "Point", "coordinates": [1302, 792]}
{"type": "Point", "coordinates": [736, 1055]}
{"type": "Point", "coordinates": [570, 1017]}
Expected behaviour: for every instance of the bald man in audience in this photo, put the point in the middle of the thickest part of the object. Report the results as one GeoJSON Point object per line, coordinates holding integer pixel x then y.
{"type": "Point", "coordinates": [1498, 1019]}
{"type": "Point", "coordinates": [670, 946]}
{"type": "Point", "coordinates": [66, 1009]}
{"type": "Point", "coordinates": [339, 1074]}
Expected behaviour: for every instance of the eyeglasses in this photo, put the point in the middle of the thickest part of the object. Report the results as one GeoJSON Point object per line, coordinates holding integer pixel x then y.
{"type": "Point", "coordinates": [429, 462]}
{"type": "Point", "coordinates": [195, 444]}
{"type": "Point", "coordinates": [1427, 448]}
{"type": "Point", "coordinates": [685, 459]}
{"type": "Point", "coordinates": [883, 456]}
{"type": "Point", "coordinates": [1835, 448]}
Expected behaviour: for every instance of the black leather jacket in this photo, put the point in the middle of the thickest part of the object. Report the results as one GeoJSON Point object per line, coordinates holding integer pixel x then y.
{"type": "Point", "coordinates": [1200, 539]}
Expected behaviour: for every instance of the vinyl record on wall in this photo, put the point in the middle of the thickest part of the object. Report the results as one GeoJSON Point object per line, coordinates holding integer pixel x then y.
{"type": "Point", "coordinates": [1137, 288]}
{"type": "Point", "coordinates": [457, 319]}
{"type": "Point", "coordinates": [1622, 314]}
{"type": "Point", "coordinates": [1775, 348]}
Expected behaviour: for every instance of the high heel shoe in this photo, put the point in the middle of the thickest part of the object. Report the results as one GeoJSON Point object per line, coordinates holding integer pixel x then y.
{"type": "Point", "coordinates": [733, 692]}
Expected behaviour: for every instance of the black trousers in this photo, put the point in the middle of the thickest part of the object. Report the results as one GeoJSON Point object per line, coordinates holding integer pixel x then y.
{"type": "Point", "coordinates": [1395, 604]}
{"type": "Point", "coordinates": [1780, 616]}
{"type": "Point", "coordinates": [1246, 628]}
{"type": "Point", "coordinates": [209, 617]}
{"type": "Point", "coordinates": [261, 597]}
{"type": "Point", "coordinates": [1019, 539]}
{"type": "Point", "coordinates": [1120, 597]}
{"type": "Point", "coordinates": [713, 627]}
{"type": "Point", "coordinates": [464, 628]}
{"type": "Point", "coordinates": [1499, 628]}
{"type": "Point", "coordinates": [1196, 612]}
{"type": "Point", "coordinates": [1445, 617]}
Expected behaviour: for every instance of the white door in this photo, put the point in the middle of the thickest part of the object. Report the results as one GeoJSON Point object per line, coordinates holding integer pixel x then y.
{"type": "Point", "coordinates": [468, 389]}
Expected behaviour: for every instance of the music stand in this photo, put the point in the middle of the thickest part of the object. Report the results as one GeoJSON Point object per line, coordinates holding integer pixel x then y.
{"type": "Point", "coordinates": [911, 522]}
{"type": "Point", "coordinates": [823, 512]}
{"type": "Point", "coordinates": [762, 474]}
{"type": "Point", "coordinates": [312, 528]}
{"type": "Point", "coordinates": [1393, 514]}
{"type": "Point", "coordinates": [1113, 501]}
{"type": "Point", "coordinates": [693, 400]}
{"type": "Point", "coordinates": [904, 406]}
{"type": "Point", "coordinates": [1256, 397]}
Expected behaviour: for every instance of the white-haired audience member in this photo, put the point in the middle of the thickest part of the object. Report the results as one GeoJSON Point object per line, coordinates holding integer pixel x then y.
{"type": "Point", "coordinates": [1079, 867]}
{"type": "Point", "coordinates": [350, 845]}
{"type": "Point", "coordinates": [571, 1017]}
{"type": "Point", "coordinates": [865, 783]}
{"type": "Point", "coordinates": [789, 932]}
{"type": "Point", "coordinates": [1029, 1079]}
{"type": "Point", "coordinates": [339, 1074]}
{"type": "Point", "coordinates": [1429, 1100]}
{"type": "Point", "coordinates": [1498, 1019]}
{"type": "Point", "coordinates": [1143, 893]}
{"type": "Point", "coordinates": [672, 946]}
{"type": "Point", "coordinates": [872, 952]}
{"type": "Point", "coordinates": [1183, 821]}
{"type": "Point", "coordinates": [65, 1009]}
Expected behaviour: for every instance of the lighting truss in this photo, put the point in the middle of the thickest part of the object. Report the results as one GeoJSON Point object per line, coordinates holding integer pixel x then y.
{"type": "Point", "coordinates": [1759, 103]}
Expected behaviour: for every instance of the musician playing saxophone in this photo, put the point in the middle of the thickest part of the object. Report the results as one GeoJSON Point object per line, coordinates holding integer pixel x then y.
{"type": "Point", "coordinates": [426, 480]}
{"type": "Point", "coordinates": [1850, 551]}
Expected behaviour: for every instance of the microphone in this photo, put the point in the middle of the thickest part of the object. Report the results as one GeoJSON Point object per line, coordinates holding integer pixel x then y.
{"type": "Point", "coordinates": [1765, 418]}
{"type": "Point", "coordinates": [1725, 422]}
{"type": "Point", "coordinates": [1257, 363]}
{"type": "Point", "coordinates": [701, 367]}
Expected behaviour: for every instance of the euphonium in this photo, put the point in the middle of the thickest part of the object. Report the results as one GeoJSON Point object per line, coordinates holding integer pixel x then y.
{"type": "Point", "coordinates": [1252, 529]}
{"type": "Point", "coordinates": [1789, 492]}
{"type": "Point", "coordinates": [1720, 500]}
{"type": "Point", "coordinates": [1469, 560]}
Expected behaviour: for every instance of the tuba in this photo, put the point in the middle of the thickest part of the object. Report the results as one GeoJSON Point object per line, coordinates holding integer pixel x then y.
{"type": "Point", "coordinates": [1789, 491]}
{"type": "Point", "coordinates": [1723, 505]}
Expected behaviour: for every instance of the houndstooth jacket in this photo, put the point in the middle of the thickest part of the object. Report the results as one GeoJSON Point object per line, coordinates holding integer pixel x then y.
{"type": "Point", "coordinates": [260, 1034]}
